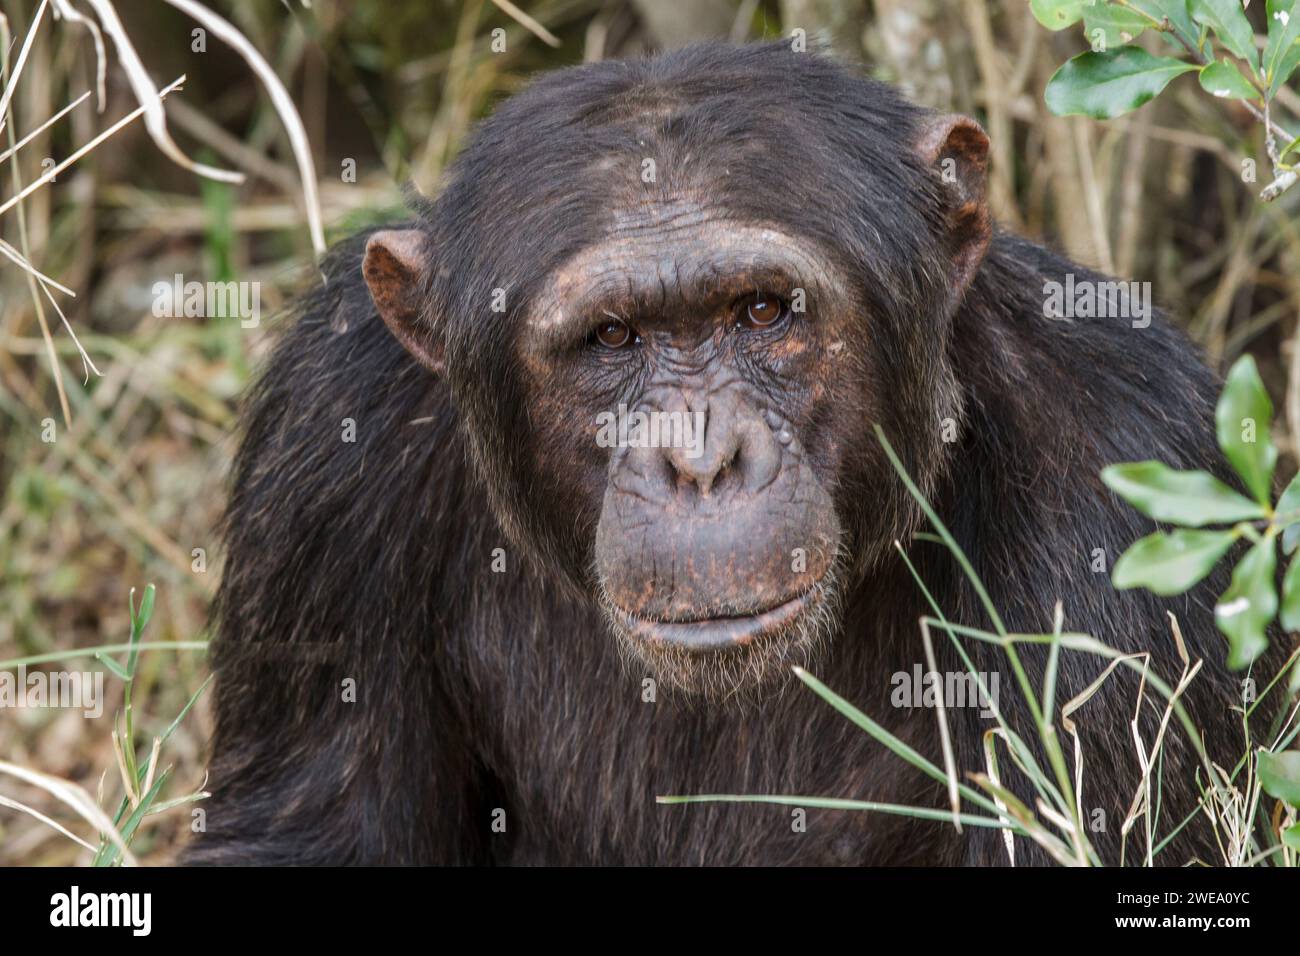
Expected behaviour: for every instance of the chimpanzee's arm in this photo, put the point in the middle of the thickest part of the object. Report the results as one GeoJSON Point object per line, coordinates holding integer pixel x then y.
{"type": "Point", "coordinates": [338, 735]}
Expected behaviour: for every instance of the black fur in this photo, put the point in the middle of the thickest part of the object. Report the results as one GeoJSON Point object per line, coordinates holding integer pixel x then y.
{"type": "Point", "coordinates": [478, 690]}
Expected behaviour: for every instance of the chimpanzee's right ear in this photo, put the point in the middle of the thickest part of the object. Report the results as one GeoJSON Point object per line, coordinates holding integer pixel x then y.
{"type": "Point", "coordinates": [394, 268]}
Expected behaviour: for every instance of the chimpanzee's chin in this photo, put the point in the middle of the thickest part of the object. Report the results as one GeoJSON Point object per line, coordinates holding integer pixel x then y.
{"type": "Point", "coordinates": [725, 656]}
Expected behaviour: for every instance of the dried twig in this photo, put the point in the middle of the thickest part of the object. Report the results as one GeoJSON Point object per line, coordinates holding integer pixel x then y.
{"type": "Point", "coordinates": [525, 21]}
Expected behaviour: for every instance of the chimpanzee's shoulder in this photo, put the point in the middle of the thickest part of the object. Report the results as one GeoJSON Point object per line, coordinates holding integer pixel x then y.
{"type": "Point", "coordinates": [1111, 327]}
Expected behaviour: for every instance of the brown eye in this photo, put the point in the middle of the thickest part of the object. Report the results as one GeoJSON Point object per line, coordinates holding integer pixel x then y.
{"type": "Point", "coordinates": [760, 311]}
{"type": "Point", "coordinates": [613, 334]}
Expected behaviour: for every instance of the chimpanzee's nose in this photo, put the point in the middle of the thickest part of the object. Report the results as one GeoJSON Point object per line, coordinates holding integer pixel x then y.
{"type": "Point", "coordinates": [737, 449]}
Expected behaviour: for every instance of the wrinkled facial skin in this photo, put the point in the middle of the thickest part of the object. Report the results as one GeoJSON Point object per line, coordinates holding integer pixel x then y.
{"type": "Point", "coordinates": [617, 218]}
{"type": "Point", "coordinates": [716, 558]}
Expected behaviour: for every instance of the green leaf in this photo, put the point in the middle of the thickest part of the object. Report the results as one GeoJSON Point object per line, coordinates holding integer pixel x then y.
{"type": "Point", "coordinates": [1176, 12]}
{"type": "Point", "coordinates": [1242, 418]}
{"type": "Point", "coordinates": [1279, 775]}
{"type": "Point", "coordinates": [143, 772]}
{"type": "Point", "coordinates": [1287, 514]}
{"type": "Point", "coordinates": [1228, 21]}
{"type": "Point", "coordinates": [127, 831]}
{"type": "Point", "coordinates": [1118, 25]}
{"type": "Point", "coordinates": [1191, 498]}
{"type": "Point", "coordinates": [139, 619]}
{"type": "Point", "coordinates": [1290, 147]}
{"type": "Point", "coordinates": [1291, 837]}
{"type": "Point", "coordinates": [171, 728]}
{"type": "Point", "coordinates": [1171, 563]}
{"type": "Point", "coordinates": [117, 669]}
{"type": "Point", "coordinates": [1106, 85]}
{"type": "Point", "coordinates": [1282, 52]}
{"type": "Point", "coordinates": [1058, 14]}
{"type": "Point", "coordinates": [1224, 80]}
{"type": "Point", "coordinates": [1291, 597]}
{"type": "Point", "coordinates": [1247, 607]}
{"type": "Point", "coordinates": [1290, 538]}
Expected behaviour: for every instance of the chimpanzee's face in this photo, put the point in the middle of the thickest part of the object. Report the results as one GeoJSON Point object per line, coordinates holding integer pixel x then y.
{"type": "Point", "coordinates": [670, 310]}
{"type": "Point", "coordinates": [685, 366]}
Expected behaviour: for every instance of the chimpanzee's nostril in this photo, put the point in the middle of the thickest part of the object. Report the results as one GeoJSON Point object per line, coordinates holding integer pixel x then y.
{"type": "Point", "coordinates": [703, 473]}
{"type": "Point", "coordinates": [726, 465]}
{"type": "Point", "coordinates": [738, 452]}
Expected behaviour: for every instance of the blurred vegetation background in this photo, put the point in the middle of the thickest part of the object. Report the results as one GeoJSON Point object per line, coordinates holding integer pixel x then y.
{"type": "Point", "coordinates": [134, 482]}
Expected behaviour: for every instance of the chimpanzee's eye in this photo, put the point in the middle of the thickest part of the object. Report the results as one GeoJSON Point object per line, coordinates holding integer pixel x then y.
{"type": "Point", "coordinates": [760, 311]}
{"type": "Point", "coordinates": [614, 334]}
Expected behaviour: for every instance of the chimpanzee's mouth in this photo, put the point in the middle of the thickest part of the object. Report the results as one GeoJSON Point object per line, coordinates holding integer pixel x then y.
{"type": "Point", "coordinates": [717, 633]}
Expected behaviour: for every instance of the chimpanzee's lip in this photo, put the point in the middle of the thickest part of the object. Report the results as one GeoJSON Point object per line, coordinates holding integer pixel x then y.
{"type": "Point", "coordinates": [716, 633]}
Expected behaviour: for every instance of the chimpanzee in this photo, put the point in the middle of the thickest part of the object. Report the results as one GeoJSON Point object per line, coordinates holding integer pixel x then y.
{"type": "Point", "coordinates": [457, 626]}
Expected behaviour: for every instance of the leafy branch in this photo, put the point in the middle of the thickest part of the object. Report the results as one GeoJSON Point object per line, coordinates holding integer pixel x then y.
{"type": "Point", "coordinates": [1213, 39]}
{"type": "Point", "coordinates": [1171, 562]}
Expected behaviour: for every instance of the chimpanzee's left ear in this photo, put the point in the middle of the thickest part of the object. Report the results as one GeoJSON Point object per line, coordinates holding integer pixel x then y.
{"type": "Point", "coordinates": [394, 268]}
{"type": "Point", "coordinates": [956, 148]}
